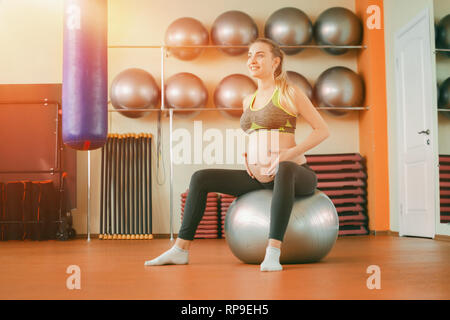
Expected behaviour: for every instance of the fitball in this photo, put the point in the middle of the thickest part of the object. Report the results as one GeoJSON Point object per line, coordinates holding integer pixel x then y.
{"type": "Point", "coordinates": [339, 87]}
{"type": "Point", "coordinates": [234, 28]}
{"type": "Point", "coordinates": [134, 89]}
{"type": "Point", "coordinates": [289, 27]}
{"type": "Point", "coordinates": [310, 235]}
{"type": "Point", "coordinates": [186, 32]}
{"type": "Point", "coordinates": [230, 93]}
{"type": "Point", "coordinates": [185, 90]}
{"type": "Point", "coordinates": [297, 79]}
{"type": "Point", "coordinates": [444, 97]}
{"type": "Point", "coordinates": [443, 34]}
{"type": "Point", "coordinates": [340, 27]}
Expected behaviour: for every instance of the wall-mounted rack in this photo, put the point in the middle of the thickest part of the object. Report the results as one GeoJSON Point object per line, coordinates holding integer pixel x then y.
{"type": "Point", "coordinates": [230, 46]}
{"type": "Point", "coordinates": [222, 109]}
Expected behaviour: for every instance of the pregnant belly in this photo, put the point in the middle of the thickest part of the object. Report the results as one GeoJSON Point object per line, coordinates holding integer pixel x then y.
{"type": "Point", "coordinates": [263, 150]}
{"type": "Point", "coordinates": [260, 170]}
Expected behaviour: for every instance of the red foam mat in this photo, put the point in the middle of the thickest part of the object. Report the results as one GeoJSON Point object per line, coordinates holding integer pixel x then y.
{"type": "Point", "coordinates": [227, 200]}
{"type": "Point", "coordinates": [207, 214]}
{"type": "Point", "coordinates": [352, 223]}
{"type": "Point", "coordinates": [224, 195]}
{"type": "Point", "coordinates": [343, 192]}
{"type": "Point", "coordinates": [203, 231]}
{"type": "Point", "coordinates": [353, 230]}
{"type": "Point", "coordinates": [356, 207]}
{"type": "Point", "coordinates": [206, 236]}
{"type": "Point", "coordinates": [339, 184]}
{"type": "Point", "coordinates": [354, 216]}
{"type": "Point", "coordinates": [357, 199]}
{"type": "Point", "coordinates": [208, 223]}
{"type": "Point", "coordinates": [208, 227]}
{"type": "Point", "coordinates": [207, 209]}
{"type": "Point", "coordinates": [444, 159]}
{"type": "Point", "coordinates": [336, 167]}
{"type": "Point", "coordinates": [208, 218]}
{"type": "Point", "coordinates": [341, 175]}
{"type": "Point", "coordinates": [208, 203]}
{"type": "Point", "coordinates": [334, 157]}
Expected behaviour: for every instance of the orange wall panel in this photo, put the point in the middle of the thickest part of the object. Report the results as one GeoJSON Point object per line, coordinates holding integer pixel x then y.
{"type": "Point", "coordinates": [373, 132]}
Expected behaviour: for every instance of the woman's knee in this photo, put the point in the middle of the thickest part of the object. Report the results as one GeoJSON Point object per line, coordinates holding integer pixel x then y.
{"type": "Point", "coordinates": [198, 177]}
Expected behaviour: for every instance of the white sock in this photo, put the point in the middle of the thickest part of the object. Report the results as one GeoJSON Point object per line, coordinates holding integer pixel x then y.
{"type": "Point", "coordinates": [272, 260]}
{"type": "Point", "coordinates": [174, 255]}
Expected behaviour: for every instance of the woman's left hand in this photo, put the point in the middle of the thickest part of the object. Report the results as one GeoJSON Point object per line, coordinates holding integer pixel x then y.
{"type": "Point", "coordinates": [284, 155]}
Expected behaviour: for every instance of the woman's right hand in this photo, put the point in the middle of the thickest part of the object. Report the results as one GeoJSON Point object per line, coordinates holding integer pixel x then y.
{"type": "Point", "coordinates": [246, 166]}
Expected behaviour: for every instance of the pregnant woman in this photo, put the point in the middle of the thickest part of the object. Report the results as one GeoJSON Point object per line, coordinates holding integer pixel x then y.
{"type": "Point", "coordinates": [273, 159]}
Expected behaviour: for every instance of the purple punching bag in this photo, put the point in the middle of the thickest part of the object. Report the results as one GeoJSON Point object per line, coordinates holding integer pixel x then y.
{"type": "Point", "coordinates": [85, 77]}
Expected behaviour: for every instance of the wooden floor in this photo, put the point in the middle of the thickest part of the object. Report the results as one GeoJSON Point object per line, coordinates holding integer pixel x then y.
{"type": "Point", "coordinates": [411, 268]}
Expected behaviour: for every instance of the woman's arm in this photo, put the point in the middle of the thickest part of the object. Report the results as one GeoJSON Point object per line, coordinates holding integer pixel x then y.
{"type": "Point", "coordinates": [320, 132]}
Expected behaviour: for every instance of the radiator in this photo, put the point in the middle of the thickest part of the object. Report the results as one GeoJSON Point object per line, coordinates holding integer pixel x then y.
{"type": "Point", "coordinates": [126, 193]}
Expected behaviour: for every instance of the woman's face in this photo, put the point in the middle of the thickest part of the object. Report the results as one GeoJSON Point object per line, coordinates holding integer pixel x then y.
{"type": "Point", "coordinates": [261, 63]}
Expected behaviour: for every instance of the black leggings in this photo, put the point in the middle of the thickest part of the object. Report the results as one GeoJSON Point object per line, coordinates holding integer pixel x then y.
{"type": "Point", "coordinates": [290, 180]}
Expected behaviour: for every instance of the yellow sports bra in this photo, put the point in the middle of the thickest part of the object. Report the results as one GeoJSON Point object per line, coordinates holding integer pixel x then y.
{"type": "Point", "coordinates": [270, 117]}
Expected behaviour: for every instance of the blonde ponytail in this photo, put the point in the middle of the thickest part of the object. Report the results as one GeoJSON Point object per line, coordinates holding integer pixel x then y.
{"type": "Point", "coordinates": [281, 79]}
{"type": "Point", "coordinates": [286, 91]}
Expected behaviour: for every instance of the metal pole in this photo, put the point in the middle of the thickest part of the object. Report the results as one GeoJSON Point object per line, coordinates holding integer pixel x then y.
{"type": "Point", "coordinates": [171, 172]}
{"type": "Point", "coordinates": [102, 191]}
{"type": "Point", "coordinates": [162, 79]}
{"type": "Point", "coordinates": [170, 143]}
{"type": "Point", "coordinates": [89, 197]}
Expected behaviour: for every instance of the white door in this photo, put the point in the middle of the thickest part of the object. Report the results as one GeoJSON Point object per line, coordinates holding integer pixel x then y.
{"type": "Point", "coordinates": [417, 132]}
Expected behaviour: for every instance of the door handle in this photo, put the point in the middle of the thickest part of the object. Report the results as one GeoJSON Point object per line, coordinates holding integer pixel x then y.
{"type": "Point", "coordinates": [426, 131]}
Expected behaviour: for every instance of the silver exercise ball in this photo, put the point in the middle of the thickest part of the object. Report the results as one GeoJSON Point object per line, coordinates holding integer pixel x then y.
{"type": "Point", "coordinates": [186, 32]}
{"type": "Point", "coordinates": [340, 27]}
{"type": "Point", "coordinates": [339, 87]}
{"type": "Point", "coordinates": [444, 97]}
{"type": "Point", "coordinates": [289, 27]}
{"type": "Point", "coordinates": [300, 81]}
{"type": "Point", "coordinates": [230, 93]}
{"type": "Point", "coordinates": [134, 89]}
{"type": "Point", "coordinates": [185, 90]}
{"type": "Point", "coordinates": [311, 233]}
{"type": "Point", "coordinates": [443, 34]}
{"type": "Point", "coordinates": [233, 28]}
